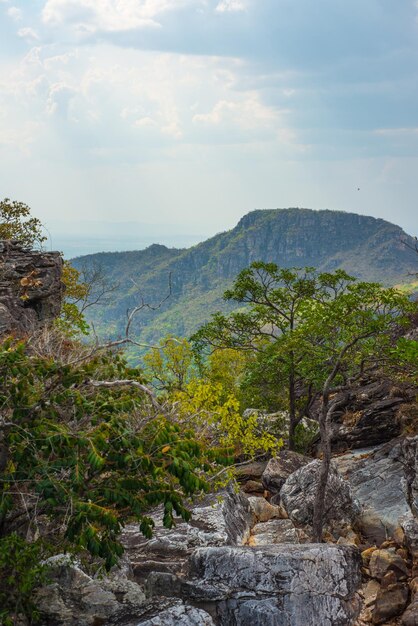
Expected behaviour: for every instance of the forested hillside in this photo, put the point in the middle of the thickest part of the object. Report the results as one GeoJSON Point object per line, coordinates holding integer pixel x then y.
{"type": "Point", "coordinates": [366, 247]}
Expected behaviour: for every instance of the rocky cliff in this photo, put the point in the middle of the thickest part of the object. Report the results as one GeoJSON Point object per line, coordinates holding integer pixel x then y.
{"type": "Point", "coordinates": [31, 290]}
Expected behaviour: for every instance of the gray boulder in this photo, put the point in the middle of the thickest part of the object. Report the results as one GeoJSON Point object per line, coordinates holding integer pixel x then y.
{"type": "Point", "coordinates": [72, 598]}
{"type": "Point", "coordinates": [280, 585]}
{"type": "Point", "coordinates": [280, 467]}
{"type": "Point", "coordinates": [276, 531]}
{"type": "Point", "coordinates": [167, 612]}
{"type": "Point", "coordinates": [368, 415]}
{"type": "Point", "coordinates": [217, 520]}
{"type": "Point", "coordinates": [299, 491]}
{"type": "Point", "coordinates": [384, 481]}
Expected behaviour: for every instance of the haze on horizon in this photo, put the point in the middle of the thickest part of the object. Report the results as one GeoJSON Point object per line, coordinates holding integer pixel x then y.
{"type": "Point", "coordinates": [183, 115]}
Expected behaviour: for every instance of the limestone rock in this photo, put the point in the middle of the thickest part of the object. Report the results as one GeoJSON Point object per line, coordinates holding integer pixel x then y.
{"type": "Point", "coordinates": [175, 614]}
{"type": "Point", "coordinates": [284, 585]}
{"type": "Point", "coordinates": [263, 510]}
{"type": "Point", "coordinates": [218, 520]}
{"type": "Point", "coordinates": [161, 612]}
{"type": "Point", "coordinates": [73, 598]}
{"type": "Point", "coordinates": [250, 471]}
{"type": "Point", "coordinates": [383, 481]}
{"type": "Point", "coordinates": [253, 486]}
{"type": "Point", "coordinates": [384, 561]}
{"type": "Point", "coordinates": [276, 531]}
{"type": "Point", "coordinates": [31, 290]}
{"type": "Point", "coordinates": [390, 603]}
{"type": "Point", "coordinates": [299, 490]}
{"type": "Point", "coordinates": [280, 467]}
{"type": "Point", "coordinates": [368, 416]}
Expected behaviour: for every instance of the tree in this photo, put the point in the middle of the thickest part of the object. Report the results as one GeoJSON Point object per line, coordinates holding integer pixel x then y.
{"type": "Point", "coordinates": [274, 300]}
{"type": "Point", "coordinates": [343, 338]}
{"type": "Point", "coordinates": [84, 446]}
{"type": "Point", "coordinates": [83, 289]}
{"type": "Point", "coordinates": [169, 366]}
{"type": "Point", "coordinates": [16, 223]}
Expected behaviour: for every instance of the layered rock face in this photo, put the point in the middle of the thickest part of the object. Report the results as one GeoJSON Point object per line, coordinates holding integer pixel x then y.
{"type": "Point", "coordinates": [31, 290]}
{"type": "Point", "coordinates": [369, 415]}
{"type": "Point", "coordinates": [384, 481]}
{"type": "Point", "coordinates": [282, 585]}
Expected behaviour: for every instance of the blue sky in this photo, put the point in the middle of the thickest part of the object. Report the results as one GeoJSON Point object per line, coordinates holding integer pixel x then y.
{"type": "Point", "coordinates": [187, 114]}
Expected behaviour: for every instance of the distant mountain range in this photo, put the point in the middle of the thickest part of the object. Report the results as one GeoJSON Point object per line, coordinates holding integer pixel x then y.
{"type": "Point", "coordinates": [366, 247]}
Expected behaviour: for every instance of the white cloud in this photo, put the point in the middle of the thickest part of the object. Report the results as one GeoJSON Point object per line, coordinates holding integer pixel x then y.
{"type": "Point", "coordinates": [108, 15]}
{"type": "Point", "coordinates": [28, 33]}
{"type": "Point", "coordinates": [396, 132]}
{"type": "Point", "coordinates": [230, 6]}
{"type": "Point", "coordinates": [15, 13]}
{"type": "Point", "coordinates": [247, 113]}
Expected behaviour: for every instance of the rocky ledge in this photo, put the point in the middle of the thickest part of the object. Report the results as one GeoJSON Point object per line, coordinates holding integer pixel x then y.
{"type": "Point", "coordinates": [31, 290]}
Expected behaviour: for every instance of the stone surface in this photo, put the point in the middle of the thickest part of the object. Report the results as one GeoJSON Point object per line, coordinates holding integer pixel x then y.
{"type": "Point", "coordinates": [370, 592]}
{"type": "Point", "coordinates": [410, 617]}
{"type": "Point", "coordinates": [369, 415]}
{"type": "Point", "coordinates": [31, 290]}
{"type": "Point", "coordinates": [299, 490]}
{"type": "Point", "coordinates": [276, 531]}
{"type": "Point", "coordinates": [219, 519]}
{"type": "Point", "coordinates": [262, 510]}
{"type": "Point", "coordinates": [250, 471]}
{"type": "Point", "coordinates": [384, 561]}
{"type": "Point", "coordinates": [283, 585]}
{"type": "Point", "coordinates": [280, 467]}
{"type": "Point", "coordinates": [72, 598]}
{"type": "Point", "coordinates": [389, 603]}
{"type": "Point", "coordinates": [383, 480]}
{"type": "Point", "coordinates": [168, 613]}
{"type": "Point", "coordinates": [253, 486]}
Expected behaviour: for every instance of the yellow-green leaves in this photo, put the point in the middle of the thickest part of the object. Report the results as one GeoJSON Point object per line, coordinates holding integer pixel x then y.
{"type": "Point", "coordinates": [215, 417]}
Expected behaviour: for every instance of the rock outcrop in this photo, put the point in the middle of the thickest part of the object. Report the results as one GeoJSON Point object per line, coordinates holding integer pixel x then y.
{"type": "Point", "coordinates": [384, 482]}
{"type": "Point", "coordinates": [299, 490]}
{"type": "Point", "coordinates": [369, 415]}
{"type": "Point", "coordinates": [31, 290]}
{"type": "Point", "coordinates": [73, 598]}
{"type": "Point", "coordinates": [218, 520]}
{"type": "Point", "coordinates": [280, 468]}
{"type": "Point", "coordinates": [270, 585]}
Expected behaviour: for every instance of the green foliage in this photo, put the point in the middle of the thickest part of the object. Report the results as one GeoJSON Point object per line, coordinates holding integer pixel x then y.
{"type": "Point", "coordinates": [227, 368]}
{"type": "Point", "coordinates": [295, 325]}
{"type": "Point", "coordinates": [169, 366]}
{"type": "Point", "coordinates": [215, 417]}
{"type": "Point", "coordinates": [21, 571]}
{"type": "Point", "coordinates": [276, 301]}
{"type": "Point", "coordinates": [348, 334]}
{"type": "Point", "coordinates": [201, 274]}
{"type": "Point", "coordinates": [404, 359]}
{"type": "Point", "coordinates": [16, 223]}
{"type": "Point", "coordinates": [71, 320]}
{"type": "Point", "coordinates": [87, 458]}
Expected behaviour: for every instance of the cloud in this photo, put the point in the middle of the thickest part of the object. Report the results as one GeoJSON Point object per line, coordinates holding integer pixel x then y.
{"type": "Point", "coordinates": [15, 13]}
{"type": "Point", "coordinates": [108, 15]}
{"type": "Point", "coordinates": [28, 33]}
{"type": "Point", "coordinates": [230, 6]}
{"type": "Point", "coordinates": [246, 113]}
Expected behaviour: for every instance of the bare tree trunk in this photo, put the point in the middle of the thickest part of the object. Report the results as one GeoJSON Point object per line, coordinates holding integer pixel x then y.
{"type": "Point", "coordinates": [319, 504]}
{"type": "Point", "coordinates": [292, 411]}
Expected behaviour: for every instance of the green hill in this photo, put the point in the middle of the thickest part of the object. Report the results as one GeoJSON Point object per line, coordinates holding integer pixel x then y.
{"type": "Point", "coordinates": [369, 248]}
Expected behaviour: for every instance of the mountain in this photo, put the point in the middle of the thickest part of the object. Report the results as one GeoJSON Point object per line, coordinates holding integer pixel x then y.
{"type": "Point", "coordinates": [366, 247]}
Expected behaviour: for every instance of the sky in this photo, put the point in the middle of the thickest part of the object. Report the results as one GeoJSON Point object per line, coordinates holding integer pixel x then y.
{"type": "Point", "coordinates": [136, 120]}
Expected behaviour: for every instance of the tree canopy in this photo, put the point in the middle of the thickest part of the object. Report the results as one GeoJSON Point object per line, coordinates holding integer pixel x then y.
{"type": "Point", "coordinates": [17, 223]}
